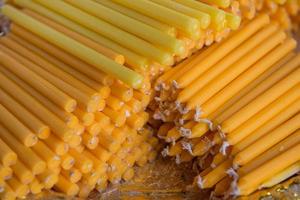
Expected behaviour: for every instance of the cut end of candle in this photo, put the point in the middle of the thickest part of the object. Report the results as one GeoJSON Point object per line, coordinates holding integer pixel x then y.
{"type": "Point", "coordinates": [74, 141]}
{"type": "Point", "coordinates": [39, 168]}
{"type": "Point", "coordinates": [120, 59]}
{"type": "Point", "coordinates": [92, 106]}
{"type": "Point", "coordinates": [44, 133]}
{"type": "Point", "coordinates": [71, 106]}
{"type": "Point", "coordinates": [72, 121]}
{"type": "Point", "coordinates": [205, 21]}
{"type": "Point", "coordinates": [50, 181]}
{"type": "Point", "coordinates": [22, 191]}
{"type": "Point", "coordinates": [10, 159]}
{"type": "Point", "coordinates": [72, 190]}
{"type": "Point", "coordinates": [27, 177]}
{"type": "Point", "coordinates": [31, 140]}
{"type": "Point", "coordinates": [88, 119]}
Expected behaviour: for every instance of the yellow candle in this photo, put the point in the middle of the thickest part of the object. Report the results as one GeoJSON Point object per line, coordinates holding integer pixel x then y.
{"type": "Point", "coordinates": [221, 3]}
{"type": "Point", "coordinates": [263, 116]}
{"type": "Point", "coordinates": [7, 156]}
{"type": "Point", "coordinates": [20, 190]}
{"type": "Point", "coordinates": [67, 161]}
{"type": "Point", "coordinates": [57, 126]}
{"type": "Point", "coordinates": [74, 141]}
{"type": "Point", "coordinates": [248, 76]}
{"type": "Point", "coordinates": [261, 131]}
{"type": "Point", "coordinates": [56, 145]}
{"type": "Point", "coordinates": [236, 69]}
{"type": "Point", "coordinates": [226, 62]}
{"type": "Point", "coordinates": [65, 186]}
{"type": "Point", "coordinates": [32, 122]}
{"type": "Point", "coordinates": [85, 165]}
{"type": "Point", "coordinates": [136, 15]}
{"type": "Point", "coordinates": [36, 187]}
{"type": "Point", "coordinates": [280, 177]}
{"type": "Point", "coordinates": [226, 47]}
{"type": "Point", "coordinates": [128, 175]}
{"type": "Point", "coordinates": [135, 105]}
{"type": "Point", "coordinates": [85, 118]}
{"type": "Point", "coordinates": [5, 173]}
{"type": "Point", "coordinates": [282, 146]}
{"type": "Point", "coordinates": [48, 178]}
{"type": "Point", "coordinates": [91, 56]}
{"type": "Point", "coordinates": [73, 175]}
{"type": "Point", "coordinates": [26, 155]}
{"type": "Point", "coordinates": [253, 89]}
{"type": "Point", "coordinates": [90, 141]}
{"type": "Point", "coordinates": [187, 24]}
{"type": "Point", "coordinates": [22, 173]}
{"type": "Point", "coordinates": [267, 141]}
{"type": "Point", "coordinates": [94, 129]}
{"type": "Point", "coordinates": [117, 118]}
{"type": "Point", "coordinates": [44, 152]}
{"type": "Point", "coordinates": [122, 91]}
{"type": "Point", "coordinates": [101, 153]}
{"type": "Point", "coordinates": [250, 182]}
{"type": "Point", "coordinates": [114, 103]}
{"type": "Point", "coordinates": [99, 165]}
{"type": "Point", "coordinates": [132, 26]}
{"type": "Point", "coordinates": [8, 193]}
{"type": "Point", "coordinates": [36, 81]}
{"type": "Point", "coordinates": [17, 128]}
{"type": "Point", "coordinates": [260, 102]}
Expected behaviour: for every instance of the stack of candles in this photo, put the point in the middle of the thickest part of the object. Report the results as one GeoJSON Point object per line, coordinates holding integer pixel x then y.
{"type": "Point", "coordinates": [71, 115]}
{"type": "Point", "coordinates": [235, 108]}
{"type": "Point", "coordinates": [148, 41]}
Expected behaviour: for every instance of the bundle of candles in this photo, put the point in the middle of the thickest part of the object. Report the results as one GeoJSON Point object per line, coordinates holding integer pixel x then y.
{"type": "Point", "coordinates": [85, 84]}
{"type": "Point", "coordinates": [235, 108]}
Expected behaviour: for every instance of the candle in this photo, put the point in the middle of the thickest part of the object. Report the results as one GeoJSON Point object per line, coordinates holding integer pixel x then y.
{"type": "Point", "coordinates": [202, 17]}
{"type": "Point", "coordinates": [85, 118]}
{"type": "Point", "coordinates": [263, 116]}
{"type": "Point", "coordinates": [38, 127]}
{"type": "Point", "coordinates": [36, 187]}
{"type": "Point", "coordinates": [221, 3]}
{"type": "Point", "coordinates": [8, 193]}
{"type": "Point", "coordinates": [117, 118]}
{"type": "Point", "coordinates": [143, 18]}
{"type": "Point", "coordinates": [74, 141]}
{"type": "Point", "coordinates": [5, 173]}
{"type": "Point", "coordinates": [188, 25]}
{"type": "Point", "coordinates": [248, 76]}
{"type": "Point", "coordinates": [94, 129]}
{"type": "Point", "coordinates": [99, 165]}
{"type": "Point", "coordinates": [73, 175]}
{"type": "Point", "coordinates": [17, 128]}
{"type": "Point", "coordinates": [272, 152]}
{"type": "Point", "coordinates": [250, 182]}
{"type": "Point", "coordinates": [236, 69]}
{"type": "Point", "coordinates": [56, 145]}
{"type": "Point", "coordinates": [114, 103]}
{"type": "Point", "coordinates": [226, 47]}
{"type": "Point", "coordinates": [43, 151]}
{"type": "Point", "coordinates": [22, 173]}
{"type": "Point", "coordinates": [132, 26]}
{"type": "Point", "coordinates": [90, 141]}
{"type": "Point", "coordinates": [260, 102]}
{"type": "Point", "coordinates": [280, 177]}
{"type": "Point", "coordinates": [88, 42]}
{"type": "Point", "coordinates": [7, 156]}
{"type": "Point", "coordinates": [222, 187]}
{"type": "Point", "coordinates": [20, 190]}
{"type": "Point", "coordinates": [14, 90]}
{"type": "Point", "coordinates": [128, 174]}
{"type": "Point", "coordinates": [67, 161]}
{"type": "Point", "coordinates": [122, 92]}
{"type": "Point", "coordinates": [48, 178]}
{"type": "Point", "coordinates": [85, 53]}
{"type": "Point", "coordinates": [227, 61]}
{"type": "Point", "coordinates": [261, 131]}
{"type": "Point", "coordinates": [65, 186]}
{"type": "Point", "coordinates": [37, 44]}
{"type": "Point", "coordinates": [267, 141]}
{"type": "Point", "coordinates": [111, 32]}
{"type": "Point", "coordinates": [252, 90]}
{"type": "Point", "coordinates": [101, 153]}
{"type": "Point", "coordinates": [217, 174]}
{"type": "Point", "coordinates": [85, 165]}
{"type": "Point", "coordinates": [32, 78]}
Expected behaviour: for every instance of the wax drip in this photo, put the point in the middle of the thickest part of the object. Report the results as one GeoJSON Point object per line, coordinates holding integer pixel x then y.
{"type": "Point", "coordinates": [175, 84]}
{"type": "Point", "coordinates": [199, 182]}
{"type": "Point", "coordinates": [185, 132]}
{"type": "Point", "coordinates": [224, 147]}
{"type": "Point", "coordinates": [198, 113]}
{"type": "Point", "coordinates": [208, 122]}
{"type": "Point", "coordinates": [165, 151]}
{"type": "Point", "coordinates": [187, 146]}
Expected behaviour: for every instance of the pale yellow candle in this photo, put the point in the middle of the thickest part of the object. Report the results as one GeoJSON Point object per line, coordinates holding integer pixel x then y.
{"type": "Point", "coordinates": [170, 30]}
{"type": "Point", "coordinates": [90, 43]}
{"type": "Point", "coordinates": [17, 128]}
{"type": "Point", "coordinates": [132, 58]}
{"type": "Point", "coordinates": [57, 126]}
{"type": "Point", "coordinates": [132, 26]}
{"type": "Point", "coordinates": [221, 3]}
{"type": "Point", "coordinates": [91, 56]}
